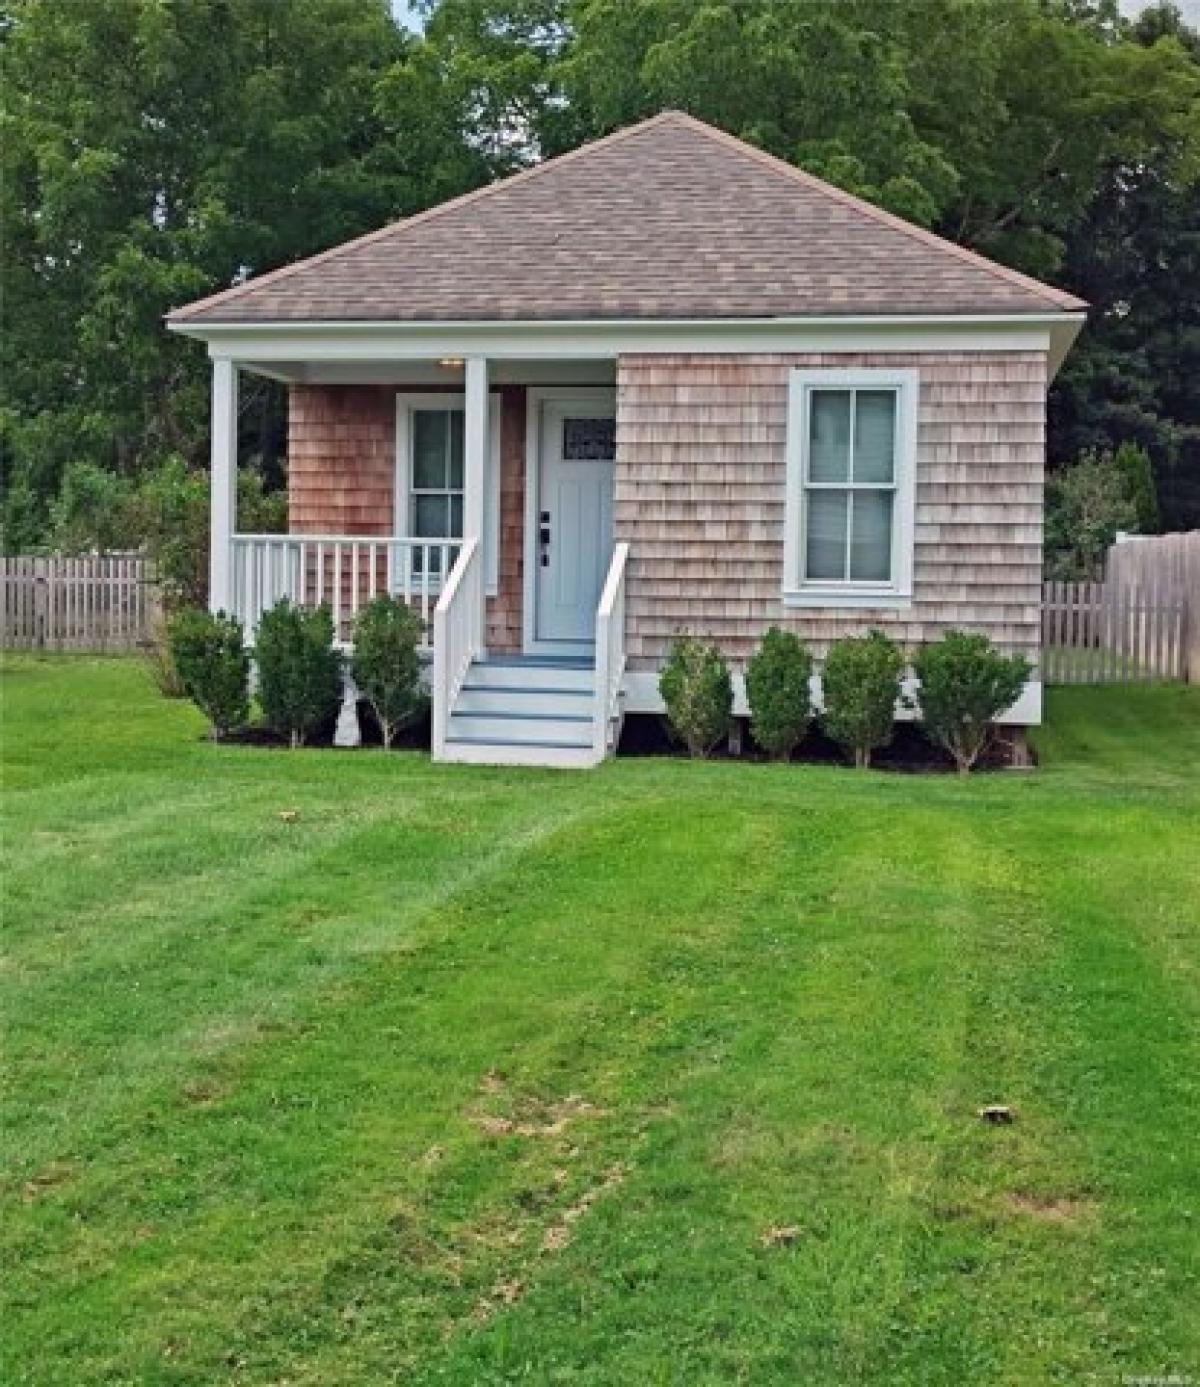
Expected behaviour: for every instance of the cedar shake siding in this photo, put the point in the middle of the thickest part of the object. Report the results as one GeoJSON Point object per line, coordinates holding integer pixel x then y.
{"type": "Point", "coordinates": [341, 459]}
{"type": "Point", "coordinates": [341, 478]}
{"type": "Point", "coordinates": [504, 610]}
{"type": "Point", "coordinates": [700, 492]}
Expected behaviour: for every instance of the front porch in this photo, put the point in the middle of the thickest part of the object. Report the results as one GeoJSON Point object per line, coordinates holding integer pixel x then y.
{"type": "Point", "coordinates": [480, 492]}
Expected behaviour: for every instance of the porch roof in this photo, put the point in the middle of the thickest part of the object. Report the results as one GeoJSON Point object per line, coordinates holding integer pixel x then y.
{"type": "Point", "coordinates": [670, 219]}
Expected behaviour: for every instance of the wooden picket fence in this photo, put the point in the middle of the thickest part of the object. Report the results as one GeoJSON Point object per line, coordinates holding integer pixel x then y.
{"type": "Point", "coordinates": [1108, 633]}
{"type": "Point", "coordinates": [95, 602]}
{"type": "Point", "coordinates": [1170, 562]}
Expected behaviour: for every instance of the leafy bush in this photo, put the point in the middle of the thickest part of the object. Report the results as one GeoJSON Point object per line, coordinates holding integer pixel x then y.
{"type": "Point", "coordinates": [210, 656]}
{"type": "Point", "coordinates": [21, 520]}
{"type": "Point", "coordinates": [1086, 504]}
{"type": "Point", "coordinates": [94, 509]}
{"type": "Point", "coordinates": [385, 665]}
{"type": "Point", "coordinates": [160, 658]}
{"type": "Point", "coordinates": [777, 688]}
{"type": "Point", "coordinates": [696, 687]}
{"type": "Point", "coordinates": [861, 685]}
{"type": "Point", "coordinates": [172, 519]}
{"type": "Point", "coordinates": [299, 671]}
{"type": "Point", "coordinates": [1137, 473]}
{"type": "Point", "coordinates": [966, 683]}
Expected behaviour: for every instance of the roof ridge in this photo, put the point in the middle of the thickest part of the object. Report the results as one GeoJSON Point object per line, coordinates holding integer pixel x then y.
{"type": "Point", "coordinates": [1059, 297]}
{"type": "Point", "coordinates": [234, 291]}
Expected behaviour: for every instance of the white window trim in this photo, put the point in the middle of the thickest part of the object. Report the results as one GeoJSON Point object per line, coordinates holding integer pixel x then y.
{"type": "Point", "coordinates": [897, 593]}
{"type": "Point", "coordinates": [406, 402]}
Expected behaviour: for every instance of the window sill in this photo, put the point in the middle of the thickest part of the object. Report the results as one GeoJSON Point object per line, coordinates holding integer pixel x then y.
{"type": "Point", "coordinates": [832, 598]}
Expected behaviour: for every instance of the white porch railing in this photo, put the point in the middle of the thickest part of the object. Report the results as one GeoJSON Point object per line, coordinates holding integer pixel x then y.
{"type": "Point", "coordinates": [610, 649]}
{"type": "Point", "coordinates": [457, 636]}
{"type": "Point", "coordinates": [343, 571]}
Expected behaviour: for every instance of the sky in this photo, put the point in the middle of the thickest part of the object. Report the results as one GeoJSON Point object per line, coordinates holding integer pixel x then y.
{"type": "Point", "coordinates": [404, 12]}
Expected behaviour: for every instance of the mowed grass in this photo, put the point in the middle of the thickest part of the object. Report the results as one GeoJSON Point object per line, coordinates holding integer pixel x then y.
{"type": "Point", "coordinates": [666, 1073]}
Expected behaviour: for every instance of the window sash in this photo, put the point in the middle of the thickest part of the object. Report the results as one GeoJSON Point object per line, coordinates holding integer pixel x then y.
{"type": "Point", "coordinates": [447, 491]}
{"type": "Point", "coordinates": [849, 488]}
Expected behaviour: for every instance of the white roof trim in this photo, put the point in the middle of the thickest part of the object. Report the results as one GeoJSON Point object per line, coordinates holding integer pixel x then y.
{"type": "Point", "coordinates": [274, 345]}
{"type": "Point", "coordinates": [371, 326]}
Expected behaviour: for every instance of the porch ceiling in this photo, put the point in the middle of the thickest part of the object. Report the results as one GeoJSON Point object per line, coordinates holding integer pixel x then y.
{"type": "Point", "coordinates": [431, 373]}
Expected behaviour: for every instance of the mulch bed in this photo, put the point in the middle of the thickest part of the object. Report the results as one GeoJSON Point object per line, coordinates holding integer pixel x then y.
{"type": "Point", "coordinates": [415, 737]}
{"type": "Point", "coordinates": [646, 734]}
{"type": "Point", "coordinates": [910, 751]}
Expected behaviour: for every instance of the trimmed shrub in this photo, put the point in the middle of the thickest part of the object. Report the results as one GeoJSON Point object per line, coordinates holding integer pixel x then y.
{"type": "Point", "coordinates": [209, 654]}
{"type": "Point", "coordinates": [299, 671]}
{"type": "Point", "coordinates": [861, 685]}
{"type": "Point", "coordinates": [965, 684]}
{"type": "Point", "coordinates": [385, 664]}
{"type": "Point", "coordinates": [696, 687]}
{"type": "Point", "coordinates": [777, 689]}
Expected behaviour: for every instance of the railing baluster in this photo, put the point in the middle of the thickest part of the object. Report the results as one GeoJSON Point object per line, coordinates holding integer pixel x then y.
{"type": "Point", "coordinates": [337, 588]}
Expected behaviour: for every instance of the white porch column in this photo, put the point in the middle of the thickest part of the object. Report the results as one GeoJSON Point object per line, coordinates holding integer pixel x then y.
{"type": "Point", "coordinates": [476, 433]}
{"type": "Point", "coordinates": [223, 483]}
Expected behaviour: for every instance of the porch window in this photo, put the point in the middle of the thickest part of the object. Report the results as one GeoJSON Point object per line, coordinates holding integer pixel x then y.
{"type": "Point", "coordinates": [431, 477]}
{"type": "Point", "coordinates": [851, 460]}
{"type": "Point", "coordinates": [436, 486]}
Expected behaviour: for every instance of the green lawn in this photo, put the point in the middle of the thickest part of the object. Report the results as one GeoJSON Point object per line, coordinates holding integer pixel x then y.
{"type": "Point", "coordinates": [666, 1073]}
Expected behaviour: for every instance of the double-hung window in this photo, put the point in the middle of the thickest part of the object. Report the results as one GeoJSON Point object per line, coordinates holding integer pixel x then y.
{"type": "Point", "coordinates": [436, 493]}
{"type": "Point", "coordinates": [431, 477]}
{"type": "Point", "coordinates": [851, 456]}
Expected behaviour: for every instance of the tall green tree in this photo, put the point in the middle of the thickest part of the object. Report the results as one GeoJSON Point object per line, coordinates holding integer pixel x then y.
{"type": "Point", "coordinates": [151, 152]}
{"type": "Point", "coordinates": [155, 152]}
{"type": "Point", "coordinates": [1135, 256]}
{"type": "Point", "coordinates": [1052, 135]}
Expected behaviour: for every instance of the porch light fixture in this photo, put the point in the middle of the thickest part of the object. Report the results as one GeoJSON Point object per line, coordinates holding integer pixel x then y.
{"type": "Point", "coordinates": [451, 363]}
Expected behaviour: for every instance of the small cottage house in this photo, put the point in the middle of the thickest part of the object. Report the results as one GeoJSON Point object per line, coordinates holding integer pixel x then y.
{"type": "Point", "coordinates": [663, 382]}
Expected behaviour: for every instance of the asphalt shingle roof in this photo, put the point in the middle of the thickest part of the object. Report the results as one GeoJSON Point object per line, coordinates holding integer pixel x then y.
{"type": "Point", "coordinates": [668, 219]}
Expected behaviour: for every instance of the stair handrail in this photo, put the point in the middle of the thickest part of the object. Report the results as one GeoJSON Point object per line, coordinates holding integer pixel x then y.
{"type": "Point", "coordinates": [610, 648]}
{"type": "Point", "coordinates": [457, 636]}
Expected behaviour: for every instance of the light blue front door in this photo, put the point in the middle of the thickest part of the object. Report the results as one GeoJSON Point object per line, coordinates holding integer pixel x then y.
{"type": "Point", "coordinates": [575, 523]}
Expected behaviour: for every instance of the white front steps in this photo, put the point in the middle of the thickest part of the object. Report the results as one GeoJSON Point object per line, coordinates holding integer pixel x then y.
{"type": "Point", "coordinates": [516, 710]}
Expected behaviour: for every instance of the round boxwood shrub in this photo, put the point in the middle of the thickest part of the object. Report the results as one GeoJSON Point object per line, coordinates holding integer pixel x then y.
{"type": "Point", "coordinates": [777, 689]}
{"type": "Point", "coordinates": [299, 671]}
{"type": "Point", "coordinates": [696, 687]}
{"type": "Point", "coordinates": [860, 683]}
{"type": "Point", "coordinates": [209, 654]}
{"type": "Point", "coordinates": [965, 684]}
{"type": "Point", "coordinates": [385, 664]}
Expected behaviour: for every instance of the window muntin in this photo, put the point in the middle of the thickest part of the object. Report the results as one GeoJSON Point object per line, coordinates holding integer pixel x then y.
{"type": "Point", "coordinates": [849, 485]}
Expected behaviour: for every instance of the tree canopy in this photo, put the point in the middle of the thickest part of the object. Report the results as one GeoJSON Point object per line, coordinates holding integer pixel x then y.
{"type": "Point", "coordinates": [155, 152]}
